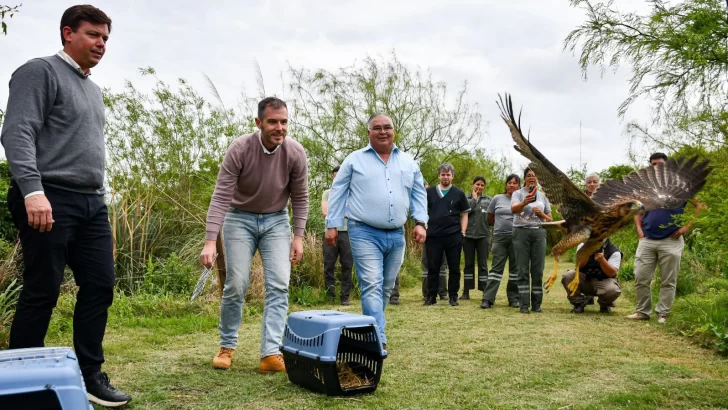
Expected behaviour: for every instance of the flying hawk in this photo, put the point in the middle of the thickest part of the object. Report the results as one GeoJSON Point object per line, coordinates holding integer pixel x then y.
{"type": "Point", "coordinates": [592, 220]}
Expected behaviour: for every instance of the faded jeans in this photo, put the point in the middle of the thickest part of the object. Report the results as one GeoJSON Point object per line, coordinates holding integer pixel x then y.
{"type": "Point", "coordinates": [243, 234]}
{"type": "Point", "coordinates": [378, 255]}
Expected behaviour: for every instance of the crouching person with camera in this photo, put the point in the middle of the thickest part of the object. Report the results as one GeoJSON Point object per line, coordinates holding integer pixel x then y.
{"type": "Point", "coordinates": [597, 277]}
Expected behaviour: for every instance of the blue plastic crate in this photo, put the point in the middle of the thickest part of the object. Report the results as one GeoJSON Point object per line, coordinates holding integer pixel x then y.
{"type": "Point", "coordinates": [322, 348]}
{"type": "Point", "coordinates": [41, 378]}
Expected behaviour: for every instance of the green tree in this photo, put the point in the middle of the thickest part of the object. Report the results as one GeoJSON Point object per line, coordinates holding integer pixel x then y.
{"type": "Point", "coordinates": [10, 12]}
{"type": "Point", "coordinates": [678, 55]}
{"type": "Point", "coordinates": [615, 172]}
{"type": "Point", "coordinates": [331, 110]}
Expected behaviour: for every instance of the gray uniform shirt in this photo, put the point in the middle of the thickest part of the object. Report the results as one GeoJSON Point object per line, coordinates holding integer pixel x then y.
{"type": "Point", "coordinates": [520, 220]}
{"type": "Point", "coordinates": [500, 207]}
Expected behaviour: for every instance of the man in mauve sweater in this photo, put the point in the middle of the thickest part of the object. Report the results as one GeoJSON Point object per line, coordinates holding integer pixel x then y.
{"type": "Point", "coordinates": [54, 141]}
{"type": "Point", "coordinates": [260, 173]}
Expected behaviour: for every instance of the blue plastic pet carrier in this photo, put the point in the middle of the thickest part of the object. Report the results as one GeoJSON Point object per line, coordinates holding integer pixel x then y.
{"type": "Point", "coordinates": [332, 352]}
{"type": "Point", "coordinates": [41, 378]}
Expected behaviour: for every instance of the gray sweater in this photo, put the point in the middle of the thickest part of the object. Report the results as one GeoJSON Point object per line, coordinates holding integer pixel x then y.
{"type": "Point", "coordinates": [54, 128]}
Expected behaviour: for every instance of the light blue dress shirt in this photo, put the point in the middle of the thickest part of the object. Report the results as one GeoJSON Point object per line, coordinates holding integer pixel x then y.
{"type": "Point", "coordinates": [376, 193]}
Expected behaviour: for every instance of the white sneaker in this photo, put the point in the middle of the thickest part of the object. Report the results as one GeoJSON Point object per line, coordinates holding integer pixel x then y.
{"type": "Point", "coordinates": [662, 319]}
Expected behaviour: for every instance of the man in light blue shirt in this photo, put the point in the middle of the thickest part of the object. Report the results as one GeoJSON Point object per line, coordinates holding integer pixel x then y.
{"type": "Point", "coordinates": [377, 187]}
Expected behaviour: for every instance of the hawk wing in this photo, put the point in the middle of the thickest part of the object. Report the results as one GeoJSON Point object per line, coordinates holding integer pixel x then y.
{"type": "Point", "coordinates": [572, 201]}
{"type": "Point", "coordinates": [667, 185]}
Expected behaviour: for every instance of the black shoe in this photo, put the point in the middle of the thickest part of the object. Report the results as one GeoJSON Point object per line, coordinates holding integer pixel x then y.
{"type": "Point", "coordinates": [605, 309]}
{"type": "Point", "coordinates": [101, 392]}
{"type": "Point", "coordinates": [524, 309]}
{"type": "Point", "coordinates": [394, 301]}
{"type": "Point", "coordinates": [514, 304]}
{"type": "Point", "coordinates": [536, 310]}
{"type": "Point", "coordinates": [590, 301]}
{"type": "Point", "coordinates": [454, 300]}
{"type": "Point", "coordinates": [345, 302]}
{"type": "Point", "coordinates": [486, 304]}
{"type": "Point", "coordinates": [578, 309]}
{"type": "Point", "coordinates": [430, 301]}
{"type": "Point", "coordinates": [443, 297]}
{"type": "Point", "coordinates": [465, 296]}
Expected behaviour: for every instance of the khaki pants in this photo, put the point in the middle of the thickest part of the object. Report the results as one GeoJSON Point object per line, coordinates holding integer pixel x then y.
{"type": "Point", "coordinates": [667, 252]}
{"type": "Point", "coordinates": [606, 291]}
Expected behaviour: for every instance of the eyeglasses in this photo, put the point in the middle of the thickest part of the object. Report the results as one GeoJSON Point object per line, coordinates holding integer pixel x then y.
{"type": "Point", "coordinates": [379, 128]}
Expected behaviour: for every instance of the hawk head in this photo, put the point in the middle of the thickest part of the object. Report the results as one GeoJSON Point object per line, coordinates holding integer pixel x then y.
{"type": "Point", "coordinates": [625, 211]}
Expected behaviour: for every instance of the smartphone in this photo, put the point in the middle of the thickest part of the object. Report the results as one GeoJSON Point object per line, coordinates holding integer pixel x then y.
{"type": "Point", "coordinates": [532, 190]}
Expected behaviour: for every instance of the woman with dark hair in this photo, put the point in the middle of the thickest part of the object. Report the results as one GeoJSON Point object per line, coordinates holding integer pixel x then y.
{"type": "Point", "coordinates": [530, 206]}
{"type": "Point", "coordinates": [501, 217]}
{"type": "Point", "coordinates": [476, 238]}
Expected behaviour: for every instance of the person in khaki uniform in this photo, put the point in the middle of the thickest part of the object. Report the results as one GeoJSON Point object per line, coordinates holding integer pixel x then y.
{"type": "Point", "coordinates": [661, 241]}
{"type": "Point", "coordinates": [597, 277]}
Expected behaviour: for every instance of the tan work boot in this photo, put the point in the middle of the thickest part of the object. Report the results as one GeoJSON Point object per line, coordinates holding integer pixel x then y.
{"type": "Point", "coordinates": [223, 359]}
{"type": "Point", "coordinates": [271, 364]}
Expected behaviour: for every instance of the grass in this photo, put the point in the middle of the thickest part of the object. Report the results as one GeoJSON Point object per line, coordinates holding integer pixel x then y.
{"type": "Point", "coordinates": [440, 357]}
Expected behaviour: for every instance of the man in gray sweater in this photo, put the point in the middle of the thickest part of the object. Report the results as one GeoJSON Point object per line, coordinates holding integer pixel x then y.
{"type": "Point", "coordinates": [54, 141]}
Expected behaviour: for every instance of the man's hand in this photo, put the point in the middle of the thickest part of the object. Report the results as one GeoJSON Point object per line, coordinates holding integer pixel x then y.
{"type": "Point", "coordinates": [420, 234]}
{"type": "Point", "coordinates": [296, 250]}
{"type": "Point", "coordinates": [331, 235]}
{"type": "Point", "coordinates": [207, 257]}
{"type": "Point", "coordinates": [40, 214]}
{"type": "Point", "coordinates": [538, 212]}
{"type": "Point", "coordinates": [680, 232]}
{"type": "Point", "coordinates": [599, 256]}
{"type": "Point", "coordinates": [640, 234]}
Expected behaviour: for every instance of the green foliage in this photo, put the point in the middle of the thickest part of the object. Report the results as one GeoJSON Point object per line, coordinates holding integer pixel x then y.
{"type": "Point", "coordinates": [10, 12]}
{"type": "Point", "coordinates": [703, 317]}
{"type": "Point", "coordinates": [615, 172]}
{"type": "Point", "coordinates": [7, 227]}
{"type": "Point", "coordinates": [678, 54]}
{"type": "Point", "coordinates": [171, 275]}
{"type": "Point", "coordinates": [8, 298]}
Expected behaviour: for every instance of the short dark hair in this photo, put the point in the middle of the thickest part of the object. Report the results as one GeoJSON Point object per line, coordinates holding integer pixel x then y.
{"type": "Point", "coordinates": [273, 102]}
{"type": "Point", "coordinates": [336, 169]}
{"type": "Point", "coordinates": [476, 179]}
{"type": "Point", "coordinates": [512, 176]}
{"type": "Point", "coordinates": [658, 155]}
{"type": "Point", "coordinates": [74, 16]}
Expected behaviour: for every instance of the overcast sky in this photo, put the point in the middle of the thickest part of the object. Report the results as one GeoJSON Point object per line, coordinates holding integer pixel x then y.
{"type": "Point", "coordinates": [495, 45]}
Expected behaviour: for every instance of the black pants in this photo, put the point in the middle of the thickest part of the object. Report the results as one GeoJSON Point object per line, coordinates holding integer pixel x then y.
{"type": "Point", "coordinates": [342, 251]}
{"type": "Point", "coordinates": [80, 238]}
{"type": "Point", "coordinates": [451, 245]}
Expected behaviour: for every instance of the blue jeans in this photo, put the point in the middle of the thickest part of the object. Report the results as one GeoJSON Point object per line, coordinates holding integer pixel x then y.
{"type": "Point", "coordinates": [378, 255]}
{"type": "Point", "coordinates": [243, 234]}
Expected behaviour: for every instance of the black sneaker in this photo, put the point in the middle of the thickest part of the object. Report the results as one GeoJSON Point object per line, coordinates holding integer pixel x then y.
{"type": "Point", "coordinates": [454, 300]}
{"type": "Point", "coordinates": [578, 309]}
{"type": "Point", "coordinates": [514, 304]}
{"type": "Point", "coordinates": [536, 309]}
{"type": "Point", "coordinates": [486, 304]}
{"type": "Point", "coordinates": [524, 309]}
{"type": "Point", "coordinates": [394, 301]}
{"type": "Point", "coordinates": [101, 392]}
{"type": "Point", "coordinates": [443, 297]}
{"type": "Point", "coordinates": [465, 296]}
{"type": "Point", "coordinates": [430, 301]}
{"type": "Point", "coordinates": [345, 302]}
{"type": "Point", "coordinates": [605, 309]}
